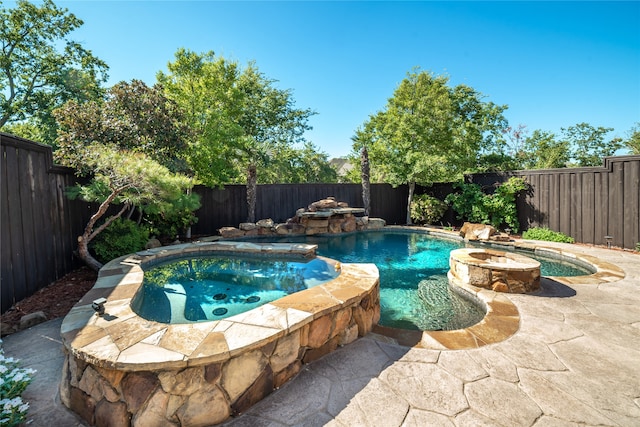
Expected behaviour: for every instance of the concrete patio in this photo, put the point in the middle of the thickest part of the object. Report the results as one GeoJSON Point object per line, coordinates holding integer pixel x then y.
{"type": "Point", "coordinates": [574, 361]}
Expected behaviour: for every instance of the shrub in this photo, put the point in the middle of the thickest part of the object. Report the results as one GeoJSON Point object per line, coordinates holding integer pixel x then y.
{"type": "Point", "coordinates": [497, 209]}
{"type": "Point", "coordinates": [427, 209]}
{"type": "Point", "coordinates": [121, 237]}
{"type": "Point", "coordinates": [13, 381]}
{"type": "Point", "coordinates": [542, 233]}
{"type": "Point", "coordinates": [638, 246]}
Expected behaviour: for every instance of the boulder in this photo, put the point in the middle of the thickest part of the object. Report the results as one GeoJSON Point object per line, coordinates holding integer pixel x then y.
{"type": "Point", "coordinates": [472, 231]}
{"type": "Point", "coordinates": [31, 319]}
{"type": "Point", "coordinates": [328, 203]}
{"type": "Point", "coordinates": [153, 243]}
{"type": "Point", "coordinates": [230, 232]}
{"type": "Point", "coordinates": [247, 226]}
{"type": "Point", "coordinates": [265, 223]}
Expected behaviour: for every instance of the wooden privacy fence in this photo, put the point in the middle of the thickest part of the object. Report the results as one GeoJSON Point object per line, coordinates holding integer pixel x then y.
{"type": "Point", "coordinates": [228, 206]}
{"type": "Point", "coordinates": [40, 224]}
{"type": "Point", "coordinates": [584, 203]}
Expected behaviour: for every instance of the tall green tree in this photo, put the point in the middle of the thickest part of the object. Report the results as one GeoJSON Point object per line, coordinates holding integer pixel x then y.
{"type": "Point", "coordinates": [41, 67]}
{"type": "Point", "coordinates": [242, 120]}
{"type": "Point", "coordinates": [205, 88]}
{"type": "Point", "coordinates": [269, 120]}
{"type": "Point", "coordinates": [589, 144]}
{"type": "Point", "coordinates": [430, 132]}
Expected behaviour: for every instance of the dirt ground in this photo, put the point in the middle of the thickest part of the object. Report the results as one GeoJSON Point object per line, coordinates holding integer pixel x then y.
{"type": "Point", "coordinates": [54, 300]}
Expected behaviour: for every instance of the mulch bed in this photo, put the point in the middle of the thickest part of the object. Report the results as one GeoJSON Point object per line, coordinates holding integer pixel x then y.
{"type": "Point", "coordinates": [54, 301]}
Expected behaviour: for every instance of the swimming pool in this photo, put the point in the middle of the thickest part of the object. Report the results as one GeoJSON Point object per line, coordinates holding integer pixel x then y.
{"type": "Point", "coordinates": [207, 287]}
{"type": "Point", "coordinates": [414, 289]}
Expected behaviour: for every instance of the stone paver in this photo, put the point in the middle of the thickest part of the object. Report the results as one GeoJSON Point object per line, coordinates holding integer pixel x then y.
{"type": "Point", "coordinates": [575, 360]}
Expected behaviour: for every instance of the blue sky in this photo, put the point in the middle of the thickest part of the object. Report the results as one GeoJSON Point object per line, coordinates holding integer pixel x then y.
{"type": "Point", "coordinates": [555, 64]}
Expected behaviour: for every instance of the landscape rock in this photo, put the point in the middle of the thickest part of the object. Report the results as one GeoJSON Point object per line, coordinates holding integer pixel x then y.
{"type": "Point", "coordinates": [31, 319]}
{"type": "Point", "coordinates": [152, 244]}
{"type": "Point", "coordinates": [376, 223]}
{"type": "Point", "coordinates": [472, 231]}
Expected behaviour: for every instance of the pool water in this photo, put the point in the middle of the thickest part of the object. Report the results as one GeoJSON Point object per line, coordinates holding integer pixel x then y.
{"type": "Point", "coordinates": [414, 289]}
{"type": "Point", "coordinates": [186, 290]}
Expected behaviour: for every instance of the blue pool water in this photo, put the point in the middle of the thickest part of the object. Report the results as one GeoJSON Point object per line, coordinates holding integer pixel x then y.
{"type": "Point", "coordinates": [187, 290]}
{"type": "Point", "coordinates": [414, 289]}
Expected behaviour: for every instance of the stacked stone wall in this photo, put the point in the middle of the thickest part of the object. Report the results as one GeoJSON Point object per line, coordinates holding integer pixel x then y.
{"type": "Point", "coordinates": [208, 394]}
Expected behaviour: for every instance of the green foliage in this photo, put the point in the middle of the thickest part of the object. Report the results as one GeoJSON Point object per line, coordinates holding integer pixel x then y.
{"type": "Point", "coordinates": [543, 151]}
{"type": "Point", "coordinates": [133, 117]}
{"type": "Point", "coordinates": [120, 238]}
{"type": "Point", "coordinates": [174, 219]}
{"type": "Point", "coordinates": [41, 68]}
{"type": "Point", "coordinates": [638, 247]}
{"type": "Point", "coordinates": [588, 144]}
{"type": "Point", "coordinates": [633, 142]}
{"type": "Point", "coordinates": [497, 209]}
{"type": "Point", "coordinates": [543, 233]}
{"type": "Point", "coordinates": [427, 209]}
{"type": "Point", "coordinates": [429, 132]}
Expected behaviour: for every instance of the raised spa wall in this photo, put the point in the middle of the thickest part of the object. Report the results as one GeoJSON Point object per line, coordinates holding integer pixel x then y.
{"type": "Point", "coordinates": [121, 369]}
{"type": "Point", "coordinates": [496, 270]}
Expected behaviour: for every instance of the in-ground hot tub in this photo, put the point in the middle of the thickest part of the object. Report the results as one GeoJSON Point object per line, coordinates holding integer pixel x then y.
{"type": "Point", "coordinates": [122, 369]}
{"type": "Point", "coordinates": [496, 270]}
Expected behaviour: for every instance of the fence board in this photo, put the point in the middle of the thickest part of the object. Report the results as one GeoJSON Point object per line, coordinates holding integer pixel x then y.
{"type": "Point", "coordinates": [588, 208]}
{"type": "Point", "coordinates": [631, 202]}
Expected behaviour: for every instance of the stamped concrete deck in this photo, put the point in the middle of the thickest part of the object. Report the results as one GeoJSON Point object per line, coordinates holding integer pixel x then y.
{"type": "Point", "coordinates": [575, 360]}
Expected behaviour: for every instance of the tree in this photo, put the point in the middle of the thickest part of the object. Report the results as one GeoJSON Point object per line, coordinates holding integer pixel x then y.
{"type": "Point", "coordinates": [542, 150]}
{"type": "Point", "coordinates": [588, 144]}
{"type": "Point", "coordinates": [289, 164]}
{"type": "Point", "coordinates": [242, 120]}
{"type": "Point", "coordinates": [205, 88]}
{"type": "Point", "coordinates": [119, 144]}
{"type": "Point", "coordinates": [133, 116]}
{"type": "Point", "coordinates": [269, 121]}
{"type": "Point", "coordinates": [360, 142]}
{"type": "Point", "coordinates": [633, 142]}
{"type": "Point", "coordinates": [122, 177]}
{"type": "Point", "coordinates": [430, 132]}
{"type": "Point", "coordinates": [41, 67]}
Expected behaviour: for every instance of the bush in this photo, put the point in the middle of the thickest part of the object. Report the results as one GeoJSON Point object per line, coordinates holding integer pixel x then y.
{"type": "Point", "coordinates": [426, 209]}
{"type": "Point", "coordinates": [121, 237]}
{"type": "Point", "coordinates": [497, 209]}
{"type": "Point", "coordinates": [638, 246]}
{"type": "Point", "coordinates": [542, 233]}
{"type": "Point", "coordinates": [13, 381]}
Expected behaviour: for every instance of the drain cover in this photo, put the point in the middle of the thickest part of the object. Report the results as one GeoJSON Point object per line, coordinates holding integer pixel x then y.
{"type": "Point", "coordinates": [253, 298]}
{"type": "Point", "coordinates": [218, 297]}
{"type": "Point", "coordinates": [220, 311]}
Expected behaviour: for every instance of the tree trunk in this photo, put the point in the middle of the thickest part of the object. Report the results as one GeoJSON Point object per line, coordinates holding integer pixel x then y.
{"type": "Point", "coordinates": [85, 255]}
{"type": "Point", "coordinates": [89, 233]}
{"type": "Point", "coordinates": [412, 188]}
{"type": "Point", "coordinates": [366, 180]}
{"type": "Point", "coordinates": [252, 184]}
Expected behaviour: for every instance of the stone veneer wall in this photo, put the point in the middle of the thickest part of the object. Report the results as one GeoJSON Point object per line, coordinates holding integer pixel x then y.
{"type": "Point", "coordinates": [498, 271]}
{"type": "Point", "coordinates": [197, 393]}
